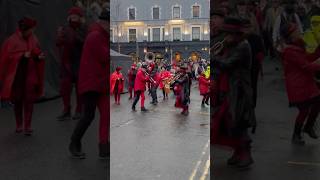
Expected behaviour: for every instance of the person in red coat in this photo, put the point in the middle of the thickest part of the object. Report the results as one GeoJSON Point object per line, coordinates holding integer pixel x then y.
{"type": "Point", "coordinates": [22, 73]}
{"type": "Point", "coordinates": [165, 77]}
{"type": "Point", "coordinates": [204, 85]}
{"type": "Point", "coordinates": [302, 90]}
{"type": "Point", "coordinates": [94, 86]}
{"type": "Point", "coordinates": [182, 90]}
{"type": "Point", "coordinates": [131, 78]}
{"type": "Point", "coordinates": [117, 84]}
{"type": "Point", "coordinates": [140, 87]}
{"type": "Point", "coordinates": [70, 42]}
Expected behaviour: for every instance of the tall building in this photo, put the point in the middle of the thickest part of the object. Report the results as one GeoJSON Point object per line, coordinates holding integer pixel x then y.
{"type": "Point", "coordinates": [170, 29]}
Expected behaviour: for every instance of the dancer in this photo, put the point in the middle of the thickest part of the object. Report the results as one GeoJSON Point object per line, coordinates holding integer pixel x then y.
{"type": "Point", "coordinates": [233, 114]}
{"type": "Point", "coordinates": [165, 79]}
{"type": "Point", "coordinates": [204, 84]}
{"type": "Point", "coordinates": [182, 90]}
{"type": "Point", "coordinates": [153, 85]}
{"type": "Point", "coordinates": [302, 90]}
{"type": "Point", "coordinates": [70, 42]}
{"type": "Point", "coordinates": [22, 73]}
{"type": "Point", "coordinates": [140, 87]}
{"type": "Point", "coordinates": [93, 87]}
{"type": "Point", "coordinates": [117, 84]}
{"type": "Point", "coordinates": [131, 78]}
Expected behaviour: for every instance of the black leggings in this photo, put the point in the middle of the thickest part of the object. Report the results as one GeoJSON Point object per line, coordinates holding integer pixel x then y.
{"type": "Point", "coordinates": [90, 102]}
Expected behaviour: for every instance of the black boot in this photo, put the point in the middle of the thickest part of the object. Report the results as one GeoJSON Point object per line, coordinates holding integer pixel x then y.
{"type": "Point", "coordinates": [104, 151]}
{"type": "Point", "coordinates": [64, 116]}
{"type": "Point", "coordinates": [76, 116]}
{"type": "Point", "coordinates": [143, 109]}
{"type": "Point", "coordinates": [245, 157]}
{"type": "Point", "coordinates": [297, 137]}
{"type": "Point", "coordinates": [309, 129]}
{"type": "Point", "coordinates": [133, 108]}
{"type": "Point", "coordinates": [234, 160]}
{"type": "Point", "coordinates": [75, 150]}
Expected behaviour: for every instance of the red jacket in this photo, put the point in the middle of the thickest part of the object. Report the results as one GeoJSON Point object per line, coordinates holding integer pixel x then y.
{"type": "Point", "coordinates": [299, 74]}
{"type": "Point", "coordinates": [140, 81]}
{"type": "Point", "coordinates": [203, 85]}
{"type": "Point", "coordinates": [163, 76]}
{"type": "Point", "coordinates": [94, 67]}
{"type": "Point", "coordinates": [11, 55]}
{"type": "Point", "coordinates": [113, 79]}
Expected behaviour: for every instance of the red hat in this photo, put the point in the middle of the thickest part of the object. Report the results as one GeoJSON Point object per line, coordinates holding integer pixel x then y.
{"type": "Point", "coordinates": [27, 23]}
{"type": "Point", "coordinates": [76, 11]}
{"type": "Point", "coordinates": [118, 68]}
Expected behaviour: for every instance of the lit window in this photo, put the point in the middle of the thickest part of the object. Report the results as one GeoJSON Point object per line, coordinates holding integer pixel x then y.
{"type": "Point", "coordinates": [132, 35]}
{"type": "Point", "coordinates": [176, 34]}
{"type": "Point", "coordinates": [132, 13]}
{"type": "Point", "coordinates": [176, 12]}
{"type": "Point", "coordinates": [156, 34]}
{"type": "Point", "coordinates": [195, 33]}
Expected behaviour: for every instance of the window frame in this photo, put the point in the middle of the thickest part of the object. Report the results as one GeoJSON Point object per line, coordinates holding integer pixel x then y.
{"type": "Point", "coordinates": [200, 32]}
{"type": "Point", "coordinates": [176, 6]}
{"type": "Point", "coordinates": [172, 34]}
{"type": "Point", "coordinates": [129, 35]}
{"type": "Point", "coordinates": [152, 12]}
{"type": "Point", "coordinates": [135, 13]}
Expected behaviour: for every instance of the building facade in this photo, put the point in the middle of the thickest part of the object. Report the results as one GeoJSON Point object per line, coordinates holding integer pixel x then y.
{"type": "Point", "coordinates": [170, 29]}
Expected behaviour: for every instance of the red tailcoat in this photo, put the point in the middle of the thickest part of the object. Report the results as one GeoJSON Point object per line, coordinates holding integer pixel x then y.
{"type": "Point", "coordinates": [113, 79]}
{"type": "Point", "coordinates": [94, 70]}
{"type": "Point", "coordinates": [299, 74]}
{"type": "Point", "coordinates": [11, 55]}
{"type": "Point", "coordinates": [140, 81]}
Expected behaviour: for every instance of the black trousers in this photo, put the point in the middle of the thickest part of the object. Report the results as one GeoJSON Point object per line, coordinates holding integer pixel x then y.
{"type": "Point", "coordinates": [90, 101]}
{"type": "Point", "coordinates": [136, 98]}
{"type": "Point", "coordinates": [154, 94]}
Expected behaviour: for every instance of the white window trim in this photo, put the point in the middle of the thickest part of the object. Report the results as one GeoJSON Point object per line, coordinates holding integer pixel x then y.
{"type": "Point", "coordinates": [156, 6]}
{"type": "Point", "coordinates": [195, 4]}
{"type": "Point", "coordinates": [151, 32]}
{"type": "Point", "coordinates": [135, 13]}
{"type": "Point", "coordinates": [191, 34]}
{"type": "Point", "coordinates": [112, 34]}
{"type": "Point", "coordinates": [181, 33]}
{"type": "Point", "coordinates": [128, 36]}
{"type": "Point", "coordinates": [176, 5]}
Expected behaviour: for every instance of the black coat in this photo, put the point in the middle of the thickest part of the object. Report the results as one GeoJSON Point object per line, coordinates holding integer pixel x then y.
{"type": "Point", "coordinates": [237, 64]}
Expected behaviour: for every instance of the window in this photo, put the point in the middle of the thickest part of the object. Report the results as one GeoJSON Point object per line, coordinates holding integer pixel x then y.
{"type": "Point", "coordinates": [111, 35]}
{"type": "Point", "coordinates": [176, 32]}
{"type": "Point", "coordinates": [132, 35]}
{"type": "Point", "coordinates": [176, 12]}
{"type": "Point", "coordinates": [156, 13]}
{"type": "Point", "coordinates": [163, 34]}
{"type": "Point", "coordinates": [196, 11]}
{"type": "Point", "coordinates": [195, 33]}
{"type": "Point", "coordinates": [132, 13]}
{"type": "Point", "coordinates": [156, 34]}
{"type": "Point", "coordinates": [149, 34]}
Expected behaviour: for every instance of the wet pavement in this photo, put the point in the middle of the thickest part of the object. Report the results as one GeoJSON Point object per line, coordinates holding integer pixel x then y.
{"type": "Point", "coordinates": [45, 156]}
{"type": "Point", "coordinates": [160, 144]}
{"type": "Point", "coordinates": [275, 157]}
